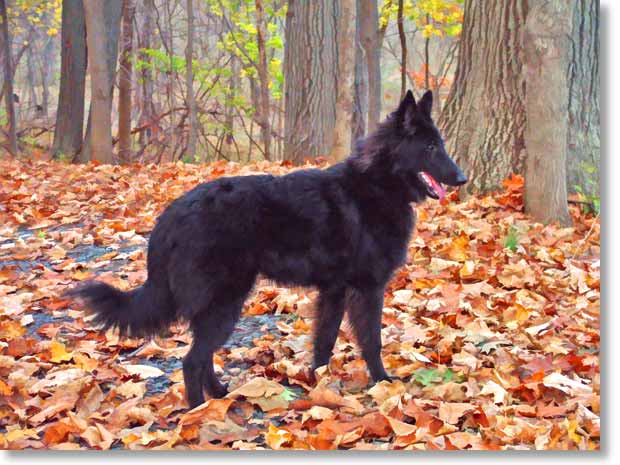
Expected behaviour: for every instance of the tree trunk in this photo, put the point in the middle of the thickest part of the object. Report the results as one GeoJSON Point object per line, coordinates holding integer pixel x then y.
{"type": "Point", "coordinates": [427, 64]}
{"type": "Point", "coordinates": [345, 78]}
{"type": "Point", "coordinates": [484, 117]}
{"type": "Point", "coordinates": [170, 78]}
{"type": "Point", "coordinates": [403, 51]}
{"type": "Point", "coordinates": [264, 117]}
{"type": "Point", "coordinates": [46, 67]}
{"type": "Point", "coordinates": [310, 67]}
{"type": "Point", "coordinates": [371, 41]}
{"type": "Point", "coordinates": [33, 102]}
{"type": "Point", "coordinates": [101, 101]}
{"type": "Point", "coordinates": [124, 82]}
{"type": "Point", "coordinates": [231, 91]}
{"type": "Point", "coordinates": [8, 80]}
{"type": "Point", "coordinates": [69, 128]}
{"type": "Point", "coordinates": [112, 12]}
{"type": "Point", "coordinates": [584, 139]}
{"type": "Point", "coordinates": [189, 82]}
{"type": "Point", "coordinates": [361, 82]}
{"type": "Point", "coordinates": [547, 47]}
{"type": "Point", "coordinates": [146, 74]}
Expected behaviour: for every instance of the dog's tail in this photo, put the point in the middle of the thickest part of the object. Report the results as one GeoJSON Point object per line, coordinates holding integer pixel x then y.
{"type": "Point", "coordinates": [145, 311]}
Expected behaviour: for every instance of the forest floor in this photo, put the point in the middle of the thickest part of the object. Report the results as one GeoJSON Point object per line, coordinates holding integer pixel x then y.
{"type": "Point", "coordinates": [492, 329]}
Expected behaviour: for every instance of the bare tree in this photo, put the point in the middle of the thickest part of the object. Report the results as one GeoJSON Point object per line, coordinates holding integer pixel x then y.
{"type": "Point", "coordinates": [112, 13]}
{"type": "Point", "coordinates": [264, 118]}
{"type": "Point", "coordinates": [371, 38]}
{"type": "Point", "coordinates": [101, 101]}
{"type": "Point", "coordinates": [189, 81]}
{"type": "Point", "coordinates": [403, 51]}
{"type": "Point", "coordinates": [547, 46]}
{"type": "Point", "coordinates": [345, 85]}
{"type": "Point", "coordinates": [360, 97]}
{"type": "Point", "coordinates": [69, 129]}
{"type": "Point", "coordinates": [513, 107]}
{"type": "Point", "coordinates": [310, 67]}
{"type": "Point", "coordinates": [8, 79]}
{"type": "Point", "coordinates": [483, 119]}
{"type": "Point", "coordinates": [584, 139]}
{"type": "Point", "coordinates": [146, 73]}
{"type": "Point", "coordinates": [124, 82]}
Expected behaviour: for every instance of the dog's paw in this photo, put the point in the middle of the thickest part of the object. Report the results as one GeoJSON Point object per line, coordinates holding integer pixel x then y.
{"type": "Point", "coordinates": [384, 377]}
{"type": "Point", "coordinates": [218, 391]}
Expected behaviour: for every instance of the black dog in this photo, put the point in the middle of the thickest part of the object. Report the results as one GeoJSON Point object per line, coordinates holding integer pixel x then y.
{"type": "Point", "coordinates": [343, 230]}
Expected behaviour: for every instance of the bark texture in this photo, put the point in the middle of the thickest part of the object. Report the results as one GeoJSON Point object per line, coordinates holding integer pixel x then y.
{"type": "Point", "coordinates": [111, 23]}
{"type": "Point", "coordinates": [345, 85]}
{"type": "Point", "coordinates": [546, 55]}
{"type": "Point", "coordinates": [189, 82]}
{"type": "Point", "coordinates": [264, 113]}
{"type": "Point", "coordinates": [69, 128]}
{"type": "Point", "coordinates": [403, 51]}
{"type": "Point", "coordinates": [147, 109]}
{"type": "Point", "coordinates": [8, 79]}
{"type": "Point", "coordinates": [310, 67]}
{"type": "Point", "coordinates": [371, 39]}
{"type": "Point", "coordinates": [483, 120]}
{"type": "Point", "coordinates": [124, 82]}
{"type": "Point", "coordinates": [584, 138]}
{"type": "Point", "coordinates": [360, 101]}
{"type": "Point", "coordinates": [101, 101]}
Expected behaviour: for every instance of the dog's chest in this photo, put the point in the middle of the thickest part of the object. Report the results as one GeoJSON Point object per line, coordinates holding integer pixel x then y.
{"type": "Point", "coordinates": [383, 246]}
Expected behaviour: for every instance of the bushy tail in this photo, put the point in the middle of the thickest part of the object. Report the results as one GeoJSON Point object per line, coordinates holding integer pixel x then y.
{"type": "Point", "coordinates": [142, 312]}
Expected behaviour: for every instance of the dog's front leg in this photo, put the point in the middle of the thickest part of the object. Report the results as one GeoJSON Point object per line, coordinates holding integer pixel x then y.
{"type": "Point", "coordinates": [365, 307]}
{"type": "Point", "coordinates": [330, 313]}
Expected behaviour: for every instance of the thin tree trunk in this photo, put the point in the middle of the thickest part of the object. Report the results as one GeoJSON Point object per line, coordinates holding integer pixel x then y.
{"type": "Point", "coordinates": [229, 120]}
{"type": "Point", "coordinates": [310, 67]}
{"type": "Point", "coordinates": [361, 82]}
{"type": "Point", "coordinates": [69, 129]}
{"type": "Point", "coordinates": [46, 67]}
{"type": "Point", "coordinates": [264, 119]}
{"type": "Point", "coordinates": [345, 85]}
{"type": "Point", "coordinates": [484, 117]}
{"type": "Point", "coordinates": [124, 82]}
{"type": "Point", "coordinates": [189, 82]}
{"type": "Point", "coordinates": [8, 80]}
{"type": "Point", "coordinates": [170, 82]}
{"type": "Point", "coordinates": [547, 47]}
{"type": "Point", "coordinates": [33, 102]}
{"type": "Point", "coordinates": [403, 51]}
{"type": "Point", "coordinates": [370, 38]}
{"type": "Point", "coordinates": [146, 74]}
{"type": "Point", "coordinates": [101, 102]}
{"type": "Point", "coordinates": [427, 64]}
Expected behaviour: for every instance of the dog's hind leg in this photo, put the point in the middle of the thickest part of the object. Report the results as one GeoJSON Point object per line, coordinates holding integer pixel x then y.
{"type": "Point", "coordinates": [365, 307]}
{"type": "Point", "coordinates": [211, 328]}
{"type": "Point", "coordinates": [331, 311]}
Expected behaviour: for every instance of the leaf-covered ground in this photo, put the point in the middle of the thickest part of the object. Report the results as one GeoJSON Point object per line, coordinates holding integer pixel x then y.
{"type": "Point", "coordinates": [492, 328]}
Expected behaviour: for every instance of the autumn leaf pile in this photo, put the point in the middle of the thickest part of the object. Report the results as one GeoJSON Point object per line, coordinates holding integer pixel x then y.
{"type": "Point", "coordinates": [491, 331]}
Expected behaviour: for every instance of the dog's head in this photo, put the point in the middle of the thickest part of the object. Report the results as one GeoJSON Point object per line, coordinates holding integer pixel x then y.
{"type": "Point", "coordinates": [411, 145]}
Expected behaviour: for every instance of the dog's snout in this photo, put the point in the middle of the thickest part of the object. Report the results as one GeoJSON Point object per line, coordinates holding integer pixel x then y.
{"type": "Point", "coordinates": [460, 179]}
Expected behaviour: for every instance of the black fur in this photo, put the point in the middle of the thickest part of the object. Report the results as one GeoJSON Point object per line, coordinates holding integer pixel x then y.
{"type": "Point", "coordinates": [343, 230]}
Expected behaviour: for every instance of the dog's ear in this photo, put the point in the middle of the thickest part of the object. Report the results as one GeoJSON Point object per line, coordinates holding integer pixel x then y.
{"type": "Point", "coordinates": [426, 103]}
{"type": "Point", "coordinates": [407, 110]}
{"type": "Point", "coordinates": [407, 106]}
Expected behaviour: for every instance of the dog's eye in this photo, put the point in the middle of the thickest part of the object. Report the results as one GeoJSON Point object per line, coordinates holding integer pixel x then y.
{"type": "Point", "coordinates": [430, 147]}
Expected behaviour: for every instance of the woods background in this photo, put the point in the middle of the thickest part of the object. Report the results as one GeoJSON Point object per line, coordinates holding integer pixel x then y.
{"type": "Point", "coordinates": [110, 110]}
{"type": "Point", "coordinates": [202, 80]}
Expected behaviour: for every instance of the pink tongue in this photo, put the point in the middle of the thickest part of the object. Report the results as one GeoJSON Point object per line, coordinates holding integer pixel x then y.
{"type": "Point", "coordinates": [437, 187]}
